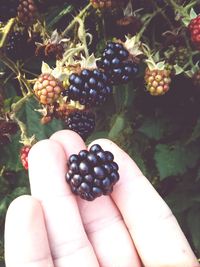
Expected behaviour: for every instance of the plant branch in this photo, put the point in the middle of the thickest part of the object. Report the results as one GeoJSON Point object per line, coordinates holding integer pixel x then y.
{"type": "Point", "coordinates": [6, 31]}
{"type": "Point", "coordinates": [74, 21]}
{"type": "Point", "coordinates": [11, 65]}
{"type": "Point", "coordinates": [17, 106]}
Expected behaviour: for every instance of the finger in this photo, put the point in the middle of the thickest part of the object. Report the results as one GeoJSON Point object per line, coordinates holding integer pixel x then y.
{"type": "Point", "coordinates": [155, 231]}
{"type": "Point", "coordinates": [102, 220]}
{"type": "Point", "coordinates": [26, 242]}
{"type": "Point", "coordinates": [68, 241]}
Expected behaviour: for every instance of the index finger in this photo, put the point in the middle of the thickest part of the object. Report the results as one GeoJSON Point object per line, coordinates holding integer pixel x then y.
{"type": "Point", "coordinates": [156, 234]}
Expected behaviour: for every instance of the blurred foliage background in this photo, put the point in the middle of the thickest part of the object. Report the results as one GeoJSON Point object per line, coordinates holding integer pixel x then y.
{"type": "Point", "coordinates": [162, 134]}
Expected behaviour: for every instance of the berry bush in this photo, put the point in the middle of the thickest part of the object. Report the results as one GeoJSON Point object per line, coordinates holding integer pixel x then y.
{"type": "Point", "coordinates": [118, 69]}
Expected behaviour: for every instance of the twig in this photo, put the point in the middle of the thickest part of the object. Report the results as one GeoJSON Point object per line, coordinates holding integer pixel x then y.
{"type": "Point", "coordinates": [74, 21]}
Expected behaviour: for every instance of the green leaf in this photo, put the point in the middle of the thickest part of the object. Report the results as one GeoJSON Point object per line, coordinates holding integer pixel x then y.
{"type": "Point", "coordinates": [124, 96]}
{"type": "Point", "coordinates": [193, 221]}
{"type": "Point", "coordinates": [179, 201]}
{"type": "Point", "coordinates": [31, 117]}
{"type": "Point", "coordinates": [118, 126]}
{"type": "Point", "coordinates": [57, 13]}
{"type": "Point", "coordinates": [196, 132]}
{"type": "Point", "coordinates": [153, 128]}
{"type": "Point", "coordinates": [10, 155]}
{"type": "Point", "coordinates": [176, 160]}
{"type": "Point", "coordinates": [139, 159]}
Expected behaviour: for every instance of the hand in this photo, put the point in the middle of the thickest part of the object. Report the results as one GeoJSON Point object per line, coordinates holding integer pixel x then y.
{"type": "Point", "coordinates": [53, 228]}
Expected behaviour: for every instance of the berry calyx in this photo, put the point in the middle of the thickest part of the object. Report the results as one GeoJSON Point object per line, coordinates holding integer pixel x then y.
{"type": "Point", "coordinates": [47, 88]}
{"type": "Point", "coordinates": [92, 173]}
{"type": "Point", "coordinates": [24, 156]}
{"type": "Point", "coordinates": [81, 122]}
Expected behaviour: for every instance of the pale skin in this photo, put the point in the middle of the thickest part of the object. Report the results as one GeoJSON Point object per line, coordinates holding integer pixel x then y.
{"type": "Point", "coordinates": [52, 228]}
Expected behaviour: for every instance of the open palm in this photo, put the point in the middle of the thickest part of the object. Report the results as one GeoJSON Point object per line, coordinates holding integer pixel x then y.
{"type": "Point", "coordinates": [53, 228]}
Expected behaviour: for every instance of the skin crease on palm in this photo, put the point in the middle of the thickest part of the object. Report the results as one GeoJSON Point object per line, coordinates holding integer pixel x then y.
{"type": "Point", "coordinates": [52, 228]}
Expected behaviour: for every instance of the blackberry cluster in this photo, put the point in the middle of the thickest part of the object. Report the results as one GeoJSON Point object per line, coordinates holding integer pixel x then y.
{"type": "Point", "coordinates": [89, 88]}
{"type": "Point", "coordinates": [26, 11]}
{"type": "Point", "coordinates": [18, 47]}
{"type": "Point", "coordinates": [81, 122]}
{"type": "Point", "coordinates": [116, 63]}
{"type": "Point", "coordinates": [92, 173]}
{"type": "Point", "coordinates": [8, 9]}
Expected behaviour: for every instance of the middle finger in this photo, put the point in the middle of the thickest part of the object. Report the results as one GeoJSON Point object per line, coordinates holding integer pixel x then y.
{"type": "Point", "coordinates": [102, 220]}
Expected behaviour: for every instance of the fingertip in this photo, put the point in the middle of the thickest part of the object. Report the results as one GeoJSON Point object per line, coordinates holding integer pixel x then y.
{"type": "Point", "coordinates": [69, 140]}
{"type": "Point", "coordinates": [25, 234]}
{"type": "Point", "coordinates": [40, 146]}
{"type": "Point", "coordinates": [67, 133]}
{"type": "Point", "coordinates": [25, 203]}
{"type": "Point", "coordinates": [47, 164]}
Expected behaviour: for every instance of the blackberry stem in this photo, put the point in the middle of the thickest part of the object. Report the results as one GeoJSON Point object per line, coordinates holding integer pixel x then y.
{"type": "Point", "coordinates": [146, 23]}
{"type": "Point", "coordinates": [82, 35]}
{"type": "Point", "coordinates": [11, 65]}
{"type": "Point", "coordinates": [6, 31]}
{"type": "Point", "coordinates": [118, 127]}
{"type": "Point", "coordinates": [17, 106]}
{"type": "Point", "coordinates": [182, 10]}
{"type": "Point", "coordinates": [74, 21]}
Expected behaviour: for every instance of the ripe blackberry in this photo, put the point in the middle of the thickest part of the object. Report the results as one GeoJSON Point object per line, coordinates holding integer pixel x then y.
{"type": "Point", "coordinates": [18, 46]}
{"type": "Point", "coordinates": [117, 64]}
{"type": "Point", "coordinates": [8, 9]}
{"type": "Point", "coordinates": [81, 122]}
{"type": "Point", "coordinates": [92, 173]}
{"type": "Point", "coordinates": [26, 11]}
{"type": "Point", "coordinates": [89, 88]}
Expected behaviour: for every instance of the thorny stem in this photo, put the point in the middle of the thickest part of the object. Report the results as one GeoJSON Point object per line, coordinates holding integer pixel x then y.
{"type": "Point", "coordinates": [74, 21]}
{"type": "Point", "coordinates": [182, 10]}
{"type": "Point", "coordinates": [82, 35]}
{"type": "Point", "coordinates": [146, 23]}
{"type": "Point", "coordinates": [15, 108]}
{"type": "Point", "coordinates": [11, 65]}
{"type": "Point", "coordinates": [6, 31]}
{"type": "Point", "coordinates": [70, 53]}
{"type": "Point", "coordinates": [30, 72]}
{"type": "Point", "coordinates": [23, 129]}
{"type": "Point", "coordinates": [161, 11]}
